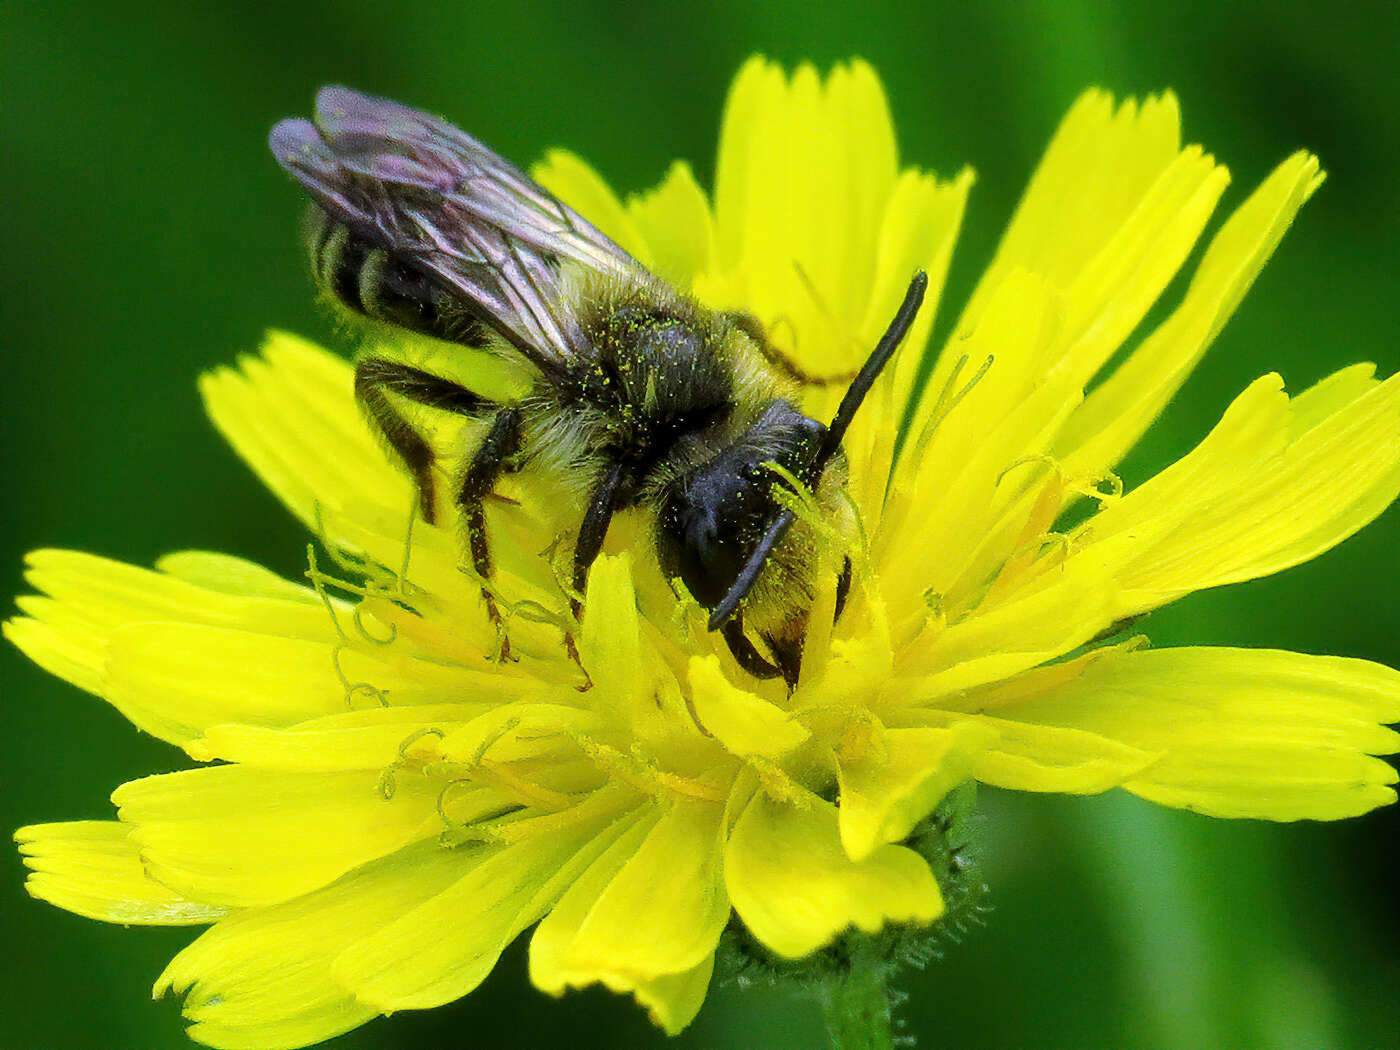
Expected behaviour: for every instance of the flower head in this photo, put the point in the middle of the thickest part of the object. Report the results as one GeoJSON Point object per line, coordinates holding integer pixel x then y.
{"type": "Point", "coordinates": [394, 804]}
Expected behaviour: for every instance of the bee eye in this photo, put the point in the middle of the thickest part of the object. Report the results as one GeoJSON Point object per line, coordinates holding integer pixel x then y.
{"type": "Point", "coordinates": [713, 519]}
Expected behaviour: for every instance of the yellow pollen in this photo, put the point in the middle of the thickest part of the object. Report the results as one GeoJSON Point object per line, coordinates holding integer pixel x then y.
{"type": "Point", "coordinates": [646, 777]}
{"type": "Point", "coordinates": [776, 783]}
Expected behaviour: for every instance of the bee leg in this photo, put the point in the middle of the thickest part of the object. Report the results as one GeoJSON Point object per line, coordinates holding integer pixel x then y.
{"type": "Point", "coordinates": [843, 588]}
{"type": "Point", "coordinates": [787, 653]}
{"type": "Point", "coordinates": [748, 657]}
{"type": "Point", "coordinates": [752, 327]}
{"type": "Point", "coordinates": [571, 650]}
{"type": "Point", "coordinates": [375, 379]}
{"type": "Point", "coordinates": [603, 501]}
{"type": "Point", "coordinates": [601, 504]}
{"type": "Point", "coordinates": [478, 479]}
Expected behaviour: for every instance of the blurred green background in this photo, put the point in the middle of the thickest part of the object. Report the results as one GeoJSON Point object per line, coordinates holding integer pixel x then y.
{"type": "Point", "coordinates": [148, 236]}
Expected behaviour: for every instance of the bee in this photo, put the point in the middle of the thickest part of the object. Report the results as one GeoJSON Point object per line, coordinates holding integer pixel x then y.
{"type": "Point", "coordinates": [647, 398]}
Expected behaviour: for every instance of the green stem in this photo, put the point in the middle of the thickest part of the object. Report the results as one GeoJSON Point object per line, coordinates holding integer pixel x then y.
{"type": "Point", "coordinates": [857, 1004]}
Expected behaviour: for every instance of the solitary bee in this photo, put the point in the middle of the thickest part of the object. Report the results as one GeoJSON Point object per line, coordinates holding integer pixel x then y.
{"type": "Point", "coordinates": [654, 401]}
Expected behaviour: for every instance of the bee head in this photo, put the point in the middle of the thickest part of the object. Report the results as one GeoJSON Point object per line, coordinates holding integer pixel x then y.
{"type": "Point", "coordinates": [828, 444]}
{"type": "Point", "coordinates": [713, 518]}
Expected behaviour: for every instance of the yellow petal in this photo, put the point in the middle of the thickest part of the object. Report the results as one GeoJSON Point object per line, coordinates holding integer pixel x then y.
{"type": "Point", "coordinates": [744, 723]}
{"type": "Point", "coordinates": [950, 496]}
{"type": "Point", "coordinates": [1065, 759]}
{"type": "Point", "coordinates": [863, 177]}
{"type": "Point", "coordinates": [1109, 215]}
{"type": "Point", "coordinates": [58, 642]}
{"type": "Point", "coordinates": [312, 1023]}
{"type": "Point", "coordinates": [1247, 780]}
{"type": "Point", "coordinates": [291, 415]}
{"type": "Point", "coordinates": [570, 178]}
{"type": "Point", "coordinates": [674, 220]}
{"type": "Point", "coordinates": [1259, 494]}
{"type": "Point", "coordinates": [1238, 732]}
{"type": "Point", "coordinates": [893, 787]}
{"type": "Point", "coordinates": [610, 644]}
{"type": "Point", "coordinates": [507, 732]}
{"type": "Point", "coordinates": [673, 1001]}
{"type": "Point", "coordinates": [1115, 289]}
{"type": "Point", "coordinates": [550, 968]}
{"type": "Point", "coordinates": [1100, 165]}
{"type": "Point", "coordinates": [435, 567]}
{"type": "Point", "coordinates": [1106, 296]}
{"type": "Point", "coordinates": [263, 978]}
{"type": "Point", "coordinates": [374, 738]}
{"type": "Point", "coordinates": [1117, 413]}
{"type": "Point", "coordinates": [92, 868]}
{"type": "Point", "coordinates": [107, 594]}
{"type": "Point", "coordinates": [791, 150]}
{"type": "Point", "coordinates": [1329, 396]}
{"type": "Point", "coordinates": [232, 575]}
{"type": "Point", "coordinates": [860, 137]}
{"type": "Point", "coordinates": [855, 668]}
{"type": "Point", "coordinates": [88, 598]}
{"type": "Point", "coordinates": [795, 888]}
{"type": "Point", "coordinates": [756, 86]}
{"type": "Point", "coordinates": [221, 834]}
{"type": "Point", "coordinates": [663, 910]}
{"type": "Point", "coordinates": [176, 680]}
{"type": "Point", "coordinates": [445, 947]}
{"type": "Point", "coordinates": [1068, 608]}
{"type": "Point", "coordinates": [919, 229]}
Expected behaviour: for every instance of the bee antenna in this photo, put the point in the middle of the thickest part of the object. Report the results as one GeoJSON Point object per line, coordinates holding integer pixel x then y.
{"type": "Point", "coordinates": [748, 575]}
{"type": "Point", "coordinates": [840, 423]}
{"type": "Point", "coordinates": [874, 365]}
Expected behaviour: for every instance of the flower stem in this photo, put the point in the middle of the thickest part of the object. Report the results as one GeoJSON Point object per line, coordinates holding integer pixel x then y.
{"type": "Point", "coordinates": [856, 1004]}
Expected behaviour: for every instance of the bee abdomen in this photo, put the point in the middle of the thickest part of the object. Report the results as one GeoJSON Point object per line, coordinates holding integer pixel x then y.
{"type": "Point", "coordinates": [374, 282]}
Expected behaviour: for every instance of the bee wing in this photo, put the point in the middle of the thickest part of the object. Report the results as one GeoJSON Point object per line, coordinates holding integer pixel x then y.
{"type": "Point", "coordinates": [448, 206]}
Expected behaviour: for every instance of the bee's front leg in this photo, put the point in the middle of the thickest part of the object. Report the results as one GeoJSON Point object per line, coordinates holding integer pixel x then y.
{"type": "Point", "coordinates": [602, 502]}
{"type": "Point", "coordinates": [746, 654]}
{"type": "Point", "coordinates": [502, 440]}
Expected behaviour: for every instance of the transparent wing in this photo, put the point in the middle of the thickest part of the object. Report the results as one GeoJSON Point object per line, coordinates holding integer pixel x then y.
{"type": "Point", "coordinates": [446, 205]}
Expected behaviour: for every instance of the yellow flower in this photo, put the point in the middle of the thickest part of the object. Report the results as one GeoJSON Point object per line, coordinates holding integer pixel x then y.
{"type": "Point", "coordinates": [393, 807]}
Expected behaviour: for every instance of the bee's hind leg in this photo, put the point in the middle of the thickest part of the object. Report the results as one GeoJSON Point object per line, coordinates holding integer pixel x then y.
{"type": "Point", "coordinates": [502, 440]}
{"type": "Point", "coordinates": [376, 378]}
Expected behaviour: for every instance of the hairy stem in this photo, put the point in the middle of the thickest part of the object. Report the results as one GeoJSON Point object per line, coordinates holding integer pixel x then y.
{"type": "Point", "coordinates": [856, 1003]}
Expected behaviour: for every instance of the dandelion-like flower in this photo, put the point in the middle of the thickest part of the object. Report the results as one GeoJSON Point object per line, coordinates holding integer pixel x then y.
{"type": "Point", "coordinates": [393, 805]}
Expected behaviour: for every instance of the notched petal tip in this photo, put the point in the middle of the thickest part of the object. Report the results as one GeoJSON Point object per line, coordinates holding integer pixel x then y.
{"type": "Point", "coordinates": [93, 868]}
